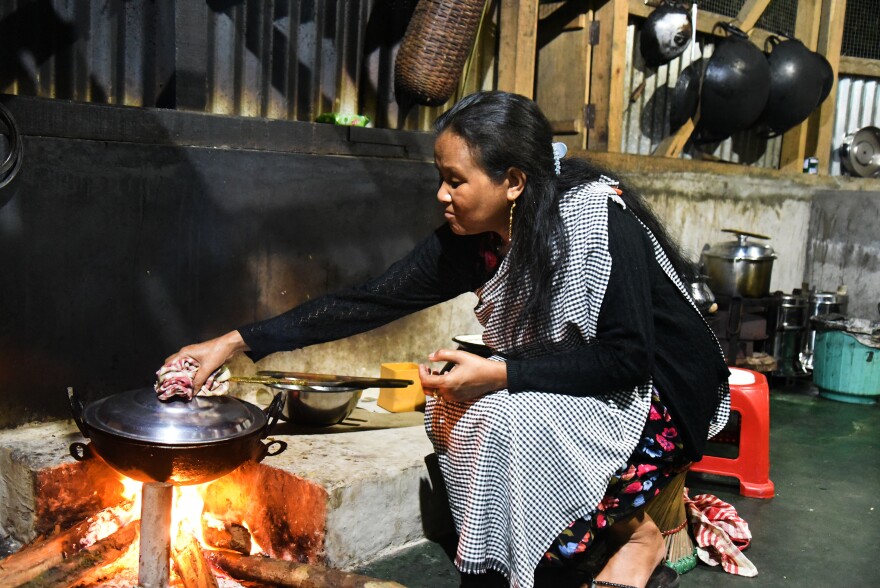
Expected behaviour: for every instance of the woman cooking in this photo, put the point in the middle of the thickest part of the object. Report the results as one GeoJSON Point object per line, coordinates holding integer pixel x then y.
{"type": "Point", "coordinates": [606, 381]}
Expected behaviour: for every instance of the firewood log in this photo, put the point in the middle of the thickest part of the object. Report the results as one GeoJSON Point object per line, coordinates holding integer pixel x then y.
{"type": "Point", "coordinates": [289, 574]}
{"type": "Point", "coordinates": [37, 557]}
{"type": "Point", "coordinates": [189, 561]}
{"type": "Point", "coordinates": [74, 568]}
{"type": "Point", "coordinates": [230, 536]}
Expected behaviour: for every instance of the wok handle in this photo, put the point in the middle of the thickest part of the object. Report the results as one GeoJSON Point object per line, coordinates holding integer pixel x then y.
{"type": "Point", "coordinates": [80, 451]}
{"type": "Point", "coordinates": [76, 409]}
{"type": "Point", "coordinates": [278, 445]}
{"type": "Point", "coordinates": [273, 412]}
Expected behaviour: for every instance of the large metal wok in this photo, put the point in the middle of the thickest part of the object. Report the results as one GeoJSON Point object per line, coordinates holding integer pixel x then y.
{"type": "Point", "coordinates": [180, 442]}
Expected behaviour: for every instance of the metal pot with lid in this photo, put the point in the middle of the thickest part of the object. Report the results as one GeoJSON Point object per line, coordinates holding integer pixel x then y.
{"type": "Point", "coordinates": [739, 268]}
{"type": "Point", "coordinates": [180, 442]}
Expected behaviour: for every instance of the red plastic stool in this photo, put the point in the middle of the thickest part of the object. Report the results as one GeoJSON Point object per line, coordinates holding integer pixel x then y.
{"type": "Point", "coordinates": [750, 397]}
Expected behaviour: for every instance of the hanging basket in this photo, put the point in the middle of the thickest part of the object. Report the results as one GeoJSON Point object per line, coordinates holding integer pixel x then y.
{"type": "Point", "coordinates": [433, 52]}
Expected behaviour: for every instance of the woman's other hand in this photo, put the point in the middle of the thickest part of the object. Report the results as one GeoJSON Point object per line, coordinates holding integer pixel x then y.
{"type": "Point", "coordinates": [472, 376]}
{"type": "Point", "coordinates": [210, 354]}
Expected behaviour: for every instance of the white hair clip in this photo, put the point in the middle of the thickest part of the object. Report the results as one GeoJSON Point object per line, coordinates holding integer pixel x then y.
{"type": "Point", "coordinates": [559, 151]}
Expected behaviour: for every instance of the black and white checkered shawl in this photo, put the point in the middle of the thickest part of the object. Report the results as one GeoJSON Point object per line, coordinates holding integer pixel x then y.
{"type": "Point", "coordinates": [520, 467]}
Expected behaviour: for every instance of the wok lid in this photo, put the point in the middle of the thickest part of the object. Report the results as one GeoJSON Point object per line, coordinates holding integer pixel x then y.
{"type": "Point", "coordinates": [139, 415]}
{"type": "Point", "coordinates": [860, 152]}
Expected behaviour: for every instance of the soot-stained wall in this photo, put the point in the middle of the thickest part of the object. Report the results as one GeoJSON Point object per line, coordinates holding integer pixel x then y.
{"type": "Point", "coordinates": [131, 232]}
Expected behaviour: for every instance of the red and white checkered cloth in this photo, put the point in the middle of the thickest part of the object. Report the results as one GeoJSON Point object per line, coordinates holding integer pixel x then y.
{"type": "Point", "coordinates": [176, 379]}
{"type": "Point", "coordinates": [720, 533]}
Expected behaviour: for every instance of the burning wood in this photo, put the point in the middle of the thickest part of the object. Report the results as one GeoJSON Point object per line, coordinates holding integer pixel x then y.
{"type": "Point", "coordinates": [189, 561]}
{"type": "Point", "coordinates": [111, 547]}
{"type": "Point", "coordinates": [288, 574]}
{"type": "Point", "coordinates": [42, 555]}
{"type": "Point", "coordinates": [73, 569]}
{"type": "Point", "coordinates": [226, 535]}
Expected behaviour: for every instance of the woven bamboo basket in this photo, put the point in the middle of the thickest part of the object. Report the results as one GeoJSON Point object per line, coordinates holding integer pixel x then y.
{"type": "Point", "coordinates": [670, 514]}
{"type": "Point", "coordinates": [435, 47]}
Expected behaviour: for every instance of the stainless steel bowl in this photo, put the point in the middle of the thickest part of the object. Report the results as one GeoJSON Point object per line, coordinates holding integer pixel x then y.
{"type": "Point", "coordinates": [320, 406]}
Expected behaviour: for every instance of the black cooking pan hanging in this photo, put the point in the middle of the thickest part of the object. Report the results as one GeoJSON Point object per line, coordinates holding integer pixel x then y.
{"type": "Point", "coordinates": [666, 33]}
{"type": "Point", "coordinates": [735, 87]}
{"type": "Point", "coordinates": [799, 82]}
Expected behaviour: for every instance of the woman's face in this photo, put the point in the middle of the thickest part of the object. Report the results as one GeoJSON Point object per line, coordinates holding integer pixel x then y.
{"type": "Point", "coordinates": [473, 203]}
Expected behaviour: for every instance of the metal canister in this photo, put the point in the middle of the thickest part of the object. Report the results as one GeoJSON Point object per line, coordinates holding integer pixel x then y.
{"type": "Point", "coordinates": [791, 312]}
{"type": "Point", "coordinates": [821, 303]}
{"type": "Point", "coordinates": [788, 333]}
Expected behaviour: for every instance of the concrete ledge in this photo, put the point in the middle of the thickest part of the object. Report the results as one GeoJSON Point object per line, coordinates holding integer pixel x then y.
{"type": "Point", "coordinates": [341, 498]}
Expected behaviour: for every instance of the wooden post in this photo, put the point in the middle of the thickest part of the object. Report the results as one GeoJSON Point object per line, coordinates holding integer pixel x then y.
{"type": "Point", "coordinates": [516, 46]}
{"type": "Point", "coordinates": [750, 12]}
{"type": "Point", "coordinates": [794, 141]}
{"type": "Point", "coordinates": [154, 568]}
{"type": "Point", "coordinates": [563, 69]}
{"type": "Point", "coordinates": [350, 49]}
{"type": "Point", "coordinates": [606, 76]}
{"type": "Point", "coordinates": [830, 39]}
{"type": "Point", "coordinates": [190, 91]}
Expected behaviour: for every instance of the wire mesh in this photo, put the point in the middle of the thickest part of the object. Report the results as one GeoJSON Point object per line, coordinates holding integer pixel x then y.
{"type": "Point", "coordinates": [861, 29]}
{"type": "Point", "coordinates": [779, 17]}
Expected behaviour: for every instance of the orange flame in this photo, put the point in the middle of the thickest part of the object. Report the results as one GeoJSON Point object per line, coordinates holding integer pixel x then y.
{"type": "Point", "coordinates": [187, 514]}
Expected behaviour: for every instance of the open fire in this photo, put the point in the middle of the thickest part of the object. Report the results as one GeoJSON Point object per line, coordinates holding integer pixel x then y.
{"type": "Point", "coordinates": [210, 535]}
{"type": "Point", "coordinates": [106, 548]}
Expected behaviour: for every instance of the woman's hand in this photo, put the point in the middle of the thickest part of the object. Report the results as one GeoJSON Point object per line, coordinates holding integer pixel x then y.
{"type": "Point", "coordinates": [210, 354]}
{"type": "Point", "coordinates": [471, 377]}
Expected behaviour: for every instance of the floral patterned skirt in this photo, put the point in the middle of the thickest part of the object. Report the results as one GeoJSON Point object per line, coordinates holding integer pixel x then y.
{"type": "Point", "coordinates": [654, 463]}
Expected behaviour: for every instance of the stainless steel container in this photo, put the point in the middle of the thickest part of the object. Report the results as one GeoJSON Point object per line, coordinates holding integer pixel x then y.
{"type": "Point", "coordinates": [320, 406]}
{"type": "Point", "coordinates": [821, 303]}
{"type": "Point", "coordinates": [791, 312]}
{"type": "Point", "coordinates": [788, 333]}
{"type": "Point", "coordinates": [739, 268]}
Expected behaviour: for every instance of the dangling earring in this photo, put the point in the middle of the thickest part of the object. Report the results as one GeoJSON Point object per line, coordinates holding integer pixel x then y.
{"type": "Point", "coordinates": [510, 224]}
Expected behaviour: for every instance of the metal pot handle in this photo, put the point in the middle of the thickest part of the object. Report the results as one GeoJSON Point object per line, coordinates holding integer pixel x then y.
{"type": "Point", "coordinates": [80, 451]}
{"type": "Point", "coordinates": [746, 233]}
{"type": "Point", "coordinates": [268, 450]}
{"type": "Point", "coordinates": [76, 409]}
{"type": "Point", "coordinates": [273, 412]}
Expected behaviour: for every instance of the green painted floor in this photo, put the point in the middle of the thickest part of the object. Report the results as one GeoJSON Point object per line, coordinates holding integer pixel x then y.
{"type": "Point", "coordinates": [821, 529]}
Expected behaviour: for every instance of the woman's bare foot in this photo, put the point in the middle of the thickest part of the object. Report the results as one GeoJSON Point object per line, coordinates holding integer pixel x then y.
{"type": "Point", "coordinates": [641, 549]}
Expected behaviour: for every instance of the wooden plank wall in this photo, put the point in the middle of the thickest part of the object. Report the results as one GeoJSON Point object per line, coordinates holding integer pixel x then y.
{"type": "Point", "coordinates": [570, 56]}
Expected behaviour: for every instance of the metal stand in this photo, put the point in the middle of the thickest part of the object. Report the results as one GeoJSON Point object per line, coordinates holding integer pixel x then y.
{"type": "Point", "coordinates": [737, 307]}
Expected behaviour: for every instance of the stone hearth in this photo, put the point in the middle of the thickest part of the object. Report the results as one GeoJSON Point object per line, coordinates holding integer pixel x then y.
{"type": "Point", "coordinates": [338, 498]}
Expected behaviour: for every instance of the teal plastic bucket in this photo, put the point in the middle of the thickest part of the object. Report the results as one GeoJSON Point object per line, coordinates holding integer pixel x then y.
{"type": "Point", "coordinates": [844, 369]}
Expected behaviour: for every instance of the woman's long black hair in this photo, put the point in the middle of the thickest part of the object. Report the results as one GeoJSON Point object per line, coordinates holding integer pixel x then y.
{"type": "Point", "coordinates": [504, 130]}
